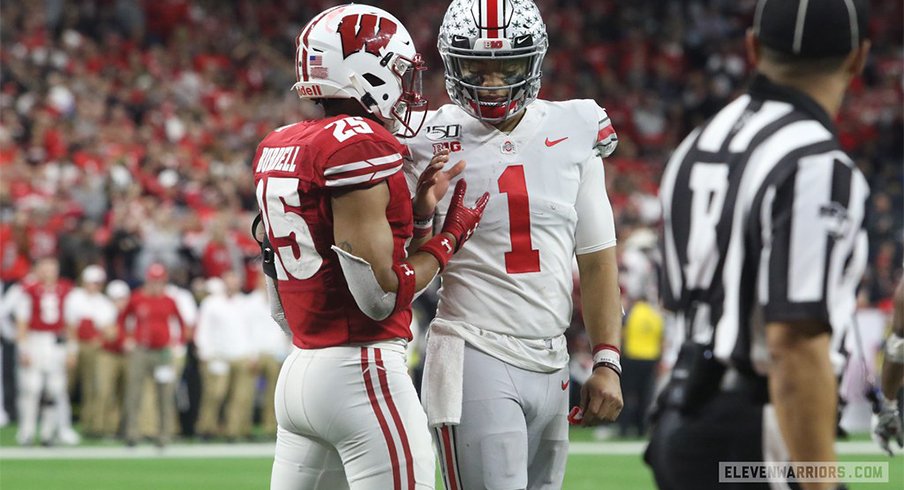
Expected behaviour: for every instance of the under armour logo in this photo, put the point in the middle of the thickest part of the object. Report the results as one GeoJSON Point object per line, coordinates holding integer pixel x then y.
{"type": "Point", "coordinates": [445, 243]}
{"type": "Point", "coordinates": [408, 271]}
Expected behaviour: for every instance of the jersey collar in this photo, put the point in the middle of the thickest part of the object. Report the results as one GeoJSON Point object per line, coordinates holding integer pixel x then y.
{"type": "Point", "coordinates": [763, 88]}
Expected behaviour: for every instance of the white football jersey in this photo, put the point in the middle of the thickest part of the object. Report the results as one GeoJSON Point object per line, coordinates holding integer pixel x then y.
{"type": "Point", "coordinates": [547, 203]}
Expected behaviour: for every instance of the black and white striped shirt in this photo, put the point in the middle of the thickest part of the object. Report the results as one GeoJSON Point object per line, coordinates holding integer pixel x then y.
{"type": "Point", "coordinates": [763, 222]}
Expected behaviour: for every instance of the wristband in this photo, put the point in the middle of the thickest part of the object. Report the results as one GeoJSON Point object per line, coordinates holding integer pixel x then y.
{"type": "Point", "coordinates": [407, 279]}
{"type": "Point", "coordinates": [422, 232]}
{"type": "Point", "coordinates": [612, 366]}
{"type": "Point", "coordinates": [441, 248]}
{"type": "Point", "coordinates": [607, 355]}
{"type": "Point", "coordinates": [423, 221]}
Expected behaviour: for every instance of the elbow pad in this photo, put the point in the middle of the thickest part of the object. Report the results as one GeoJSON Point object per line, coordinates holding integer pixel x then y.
{"type": "Point", "coordinates": [370, 297]}
{"type": "Point", "coordinates": [276, 308]}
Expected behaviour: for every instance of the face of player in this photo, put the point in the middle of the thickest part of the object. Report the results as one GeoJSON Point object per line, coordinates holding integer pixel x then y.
{"type": "Point", "coordinates": [47, 270]}
{"type": "Point", "coordinates": [494, 73]}
{"type": "Point", "coordinates": [494, 84]}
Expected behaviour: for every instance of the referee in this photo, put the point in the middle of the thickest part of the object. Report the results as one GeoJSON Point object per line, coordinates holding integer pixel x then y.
{"type": "Point", "coordinates": [764, 246]}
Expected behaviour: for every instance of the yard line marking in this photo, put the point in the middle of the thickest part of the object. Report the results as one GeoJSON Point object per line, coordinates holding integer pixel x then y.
{"type": "Point", "coordinates": [265, 450]}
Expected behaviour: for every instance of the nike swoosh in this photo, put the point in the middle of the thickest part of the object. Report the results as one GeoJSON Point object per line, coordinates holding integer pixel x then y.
{"type": "Point", "coordinates": [555, 142]}
{"type": "Point", "coordinates": [565, 384]}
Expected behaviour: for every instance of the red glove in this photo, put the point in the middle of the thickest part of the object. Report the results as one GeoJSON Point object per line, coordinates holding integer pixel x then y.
{"type": "Point", "coordinates": [461, 221]}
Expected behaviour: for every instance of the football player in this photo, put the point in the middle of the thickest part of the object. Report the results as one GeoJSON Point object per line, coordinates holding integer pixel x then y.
{"type": "Point", "coordinates": [337, 217]}
{"type": "Point", "coordinates": [496, 378]}
{"type": "Point", "coordinates": [45, 350]}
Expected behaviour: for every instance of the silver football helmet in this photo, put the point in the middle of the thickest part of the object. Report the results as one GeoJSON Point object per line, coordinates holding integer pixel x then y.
{"type": "Point", "coordinates": [492, 51]}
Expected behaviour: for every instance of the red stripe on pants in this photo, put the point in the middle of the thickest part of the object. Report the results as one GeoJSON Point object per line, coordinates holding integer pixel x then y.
{"type": "Point", "coordinates": [393, 455]}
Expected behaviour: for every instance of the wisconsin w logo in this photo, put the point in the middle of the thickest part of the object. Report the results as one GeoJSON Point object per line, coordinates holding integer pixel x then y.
{"type": "Point", "coordinates": [367, 35]}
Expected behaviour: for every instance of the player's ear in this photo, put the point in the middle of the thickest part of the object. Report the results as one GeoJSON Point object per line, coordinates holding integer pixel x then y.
{"type": "Point", "coordinates": [856, 61]}
{"type": "Point", "coordinates": [752, 47]}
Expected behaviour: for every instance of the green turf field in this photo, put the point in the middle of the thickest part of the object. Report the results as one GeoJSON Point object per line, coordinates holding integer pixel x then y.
{"type": "Point", "coordinates": [585, 472]}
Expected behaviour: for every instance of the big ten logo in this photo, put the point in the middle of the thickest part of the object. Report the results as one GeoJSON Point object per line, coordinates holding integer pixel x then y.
{"type": "Point", "coordinates": [493, 44]}
{"type": "Point", "coordinates": [452, 146]}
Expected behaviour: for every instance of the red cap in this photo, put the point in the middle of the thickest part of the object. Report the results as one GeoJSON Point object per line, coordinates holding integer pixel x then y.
{"type": "Point", "coordinates": [156, 271]}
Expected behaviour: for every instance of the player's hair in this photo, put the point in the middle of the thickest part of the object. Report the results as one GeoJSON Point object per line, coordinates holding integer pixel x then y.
{"type": "Point", "coordinates": [795, 66]}
{"type": "Point", "coordinates": [350, 107]}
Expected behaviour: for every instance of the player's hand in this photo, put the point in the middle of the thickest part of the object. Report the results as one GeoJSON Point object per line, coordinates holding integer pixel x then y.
{"type": "Point", "coordinates": [128, 345]}
{"type": "Point", "coordinates": [601, 398]}
{"type": "Point", "coordinates": [433, 183]}
{"type": "Point", "coordinates": [462, 221]}
{"type": "Point", "coordinates": [886, 427]}
{"type": "Point", "coordinates": [24, 358]}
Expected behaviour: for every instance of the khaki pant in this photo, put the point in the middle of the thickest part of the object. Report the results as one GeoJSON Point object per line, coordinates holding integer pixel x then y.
{"type": "Point", "coordinates": [111, 380]}
{"type": "Point", "coordinates": [157, 365]}
{"type": "Point", "coordinates": [269, 368]}
{"type": "Point", "coordinates": [148, 421]}
{"type": "Point", "coordinates": [86, 369]}
{"type": "Point", "coordinates": [232, 382]}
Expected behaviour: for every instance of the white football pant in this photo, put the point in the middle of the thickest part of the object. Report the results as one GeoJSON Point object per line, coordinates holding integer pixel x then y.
{"type": "Point", "coordinates": [349, 418]}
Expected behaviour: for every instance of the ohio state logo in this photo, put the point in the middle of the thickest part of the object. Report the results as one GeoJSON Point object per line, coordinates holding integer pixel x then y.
{"type": "Point", "coordinates": [365, 34]}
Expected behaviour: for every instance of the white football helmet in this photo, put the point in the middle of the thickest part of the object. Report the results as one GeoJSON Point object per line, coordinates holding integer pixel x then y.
{"type": "Point", "coordinates": [507, 37]}
{"type": "Point", "coordinates": [364, 53]}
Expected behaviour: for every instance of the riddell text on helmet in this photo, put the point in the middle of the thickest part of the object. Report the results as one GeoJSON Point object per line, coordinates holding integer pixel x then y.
{"type": "Point", "coordinates": [310, 91]}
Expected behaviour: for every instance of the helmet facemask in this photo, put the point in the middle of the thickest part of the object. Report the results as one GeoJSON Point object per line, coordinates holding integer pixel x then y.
{"type": "Point", "coordinates": [410, 110]}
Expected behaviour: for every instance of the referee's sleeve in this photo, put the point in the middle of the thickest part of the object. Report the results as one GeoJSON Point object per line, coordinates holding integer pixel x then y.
{"type": "Point", "coordinates": [814, 243]}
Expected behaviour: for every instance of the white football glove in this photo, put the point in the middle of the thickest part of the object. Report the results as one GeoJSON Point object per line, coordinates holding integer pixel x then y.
{"type": "Point", "coordinates": [886, 426]}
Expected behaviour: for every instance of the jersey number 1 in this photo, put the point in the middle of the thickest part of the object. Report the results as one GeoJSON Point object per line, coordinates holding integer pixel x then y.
{"type": "Point", "coordinates": [522, 258]}
{"type": "Point", "coordinates": [276, 196]}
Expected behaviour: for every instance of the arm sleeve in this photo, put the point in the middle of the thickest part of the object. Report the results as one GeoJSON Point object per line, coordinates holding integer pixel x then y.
{"type": "Point", "coordinates": [22, 311]}
{"type": "Point", "coordinates": [596, 226]}
{"type": "Point", "coordinates": [814, 243]}
{"type": "Point", "coordinates": [203, 330]}
{"type": "Point", "coordinates": [362, 163]}
{"type": "Point", "coordinates": [70, 307]}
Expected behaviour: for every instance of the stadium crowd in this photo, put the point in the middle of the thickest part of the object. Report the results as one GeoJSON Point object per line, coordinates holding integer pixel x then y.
{"type": "Point", "coordinates": [128, 128]}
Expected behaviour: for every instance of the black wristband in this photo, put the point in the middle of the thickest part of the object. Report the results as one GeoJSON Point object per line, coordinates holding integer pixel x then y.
{"type": "Point", "coordinates": [612, 366]}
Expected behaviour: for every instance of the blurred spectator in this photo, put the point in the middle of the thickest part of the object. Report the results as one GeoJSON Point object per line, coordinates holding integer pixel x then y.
{"type": "Point", "coordinates": [89, 312]}
{"type": "Point", "coordinates": [111, 364]}
{"type": "Point", "coordinates": [273, 348]}
{"type": "Point", "coordinates": [228, 352]}
{"type": "Point", "coordinates": [44, 355]}
{"type": "Point", "coordinates": [148, 345]}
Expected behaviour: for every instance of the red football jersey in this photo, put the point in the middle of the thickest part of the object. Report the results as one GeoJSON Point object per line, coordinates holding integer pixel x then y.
{"type": "Point", "coordinates": [46, 312]}
{"type": "Point", "coordinates": [296, 170]}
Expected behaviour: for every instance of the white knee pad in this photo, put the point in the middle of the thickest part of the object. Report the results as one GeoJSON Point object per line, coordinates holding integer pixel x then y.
{"type": "Point", "coordinates": [504, 460]}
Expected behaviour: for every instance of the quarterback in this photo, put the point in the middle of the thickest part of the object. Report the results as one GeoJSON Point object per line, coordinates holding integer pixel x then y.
{"type": "Point", "coordinates": [496, 379]}
{"type": "Point", "coordinates": [337, 217]}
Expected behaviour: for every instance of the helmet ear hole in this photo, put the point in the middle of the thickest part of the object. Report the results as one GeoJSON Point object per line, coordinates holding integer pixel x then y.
{"type": "Point", "coordinates": [373, 80]}
{"type": "Point", "coordinates": [385, 96]}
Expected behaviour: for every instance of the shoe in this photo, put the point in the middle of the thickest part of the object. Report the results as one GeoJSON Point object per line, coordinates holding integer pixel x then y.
{"type": "Point", "coordinates": [69, 437]}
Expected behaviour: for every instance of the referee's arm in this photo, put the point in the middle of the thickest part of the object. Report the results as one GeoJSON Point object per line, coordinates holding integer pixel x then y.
{"type": "Point", "coordinates": [811, 225]}
{"type": "Point", "coordinates": [802, 388]}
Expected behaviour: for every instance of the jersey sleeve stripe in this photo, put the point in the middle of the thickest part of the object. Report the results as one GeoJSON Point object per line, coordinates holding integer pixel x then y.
{"type": "Point", "coordinates": [363, 178]}
{"type": "Point", "coordinates": [348, 167]}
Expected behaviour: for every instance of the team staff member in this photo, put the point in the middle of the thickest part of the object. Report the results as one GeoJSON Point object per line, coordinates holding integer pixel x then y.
{"type": "Point", "coordinates": [111, 364]}
{"type": "Point", "coordinates": [89, 312]}
{"type": "Point", "coordinates": [764, 246]}
{"type": "Point", "coordinates": [148, 343]}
